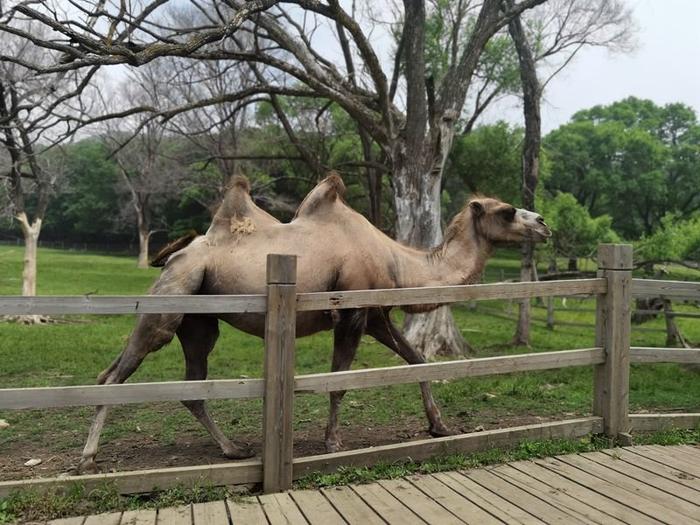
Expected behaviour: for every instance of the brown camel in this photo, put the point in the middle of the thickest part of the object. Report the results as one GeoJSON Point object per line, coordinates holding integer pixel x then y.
{"type": "Point", "coordinates": [337, 249]}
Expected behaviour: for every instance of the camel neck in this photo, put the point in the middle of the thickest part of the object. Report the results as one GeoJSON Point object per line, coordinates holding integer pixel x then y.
{"type": "Point", "coordinates": [458, 260]}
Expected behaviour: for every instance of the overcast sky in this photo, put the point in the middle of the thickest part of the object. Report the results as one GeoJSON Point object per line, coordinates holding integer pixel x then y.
{"type": "Point", "coordinates": [664, 68]}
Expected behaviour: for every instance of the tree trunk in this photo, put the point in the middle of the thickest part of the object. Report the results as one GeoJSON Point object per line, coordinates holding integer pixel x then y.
{"type": "Point", "coordinates": [144, 235]}
{"type": "Point", "coordinates": [30, 232]}
{"type": "Point", "coordinates": [573, 264]}
{"type": "Point", "coordinates": [417, 200]}
{"type": "Point", "coordinates": [530, 160]}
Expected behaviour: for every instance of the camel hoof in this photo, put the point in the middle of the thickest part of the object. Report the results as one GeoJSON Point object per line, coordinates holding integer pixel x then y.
{"type": "Point", "coordinates": [440, 431]}
{"type": "Point", "coordinates": [87, 466]}
{"type": "Point", "coordinates": [238, 452]}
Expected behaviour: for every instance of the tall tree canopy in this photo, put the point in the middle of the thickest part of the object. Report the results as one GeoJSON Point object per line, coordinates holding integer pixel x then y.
{"type": "Point", "coordinates": [633, 159]}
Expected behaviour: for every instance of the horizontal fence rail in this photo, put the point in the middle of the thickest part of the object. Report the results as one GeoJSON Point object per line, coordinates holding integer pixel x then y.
{"type": "Point", "coordinates": [644, 354]}
{"type": "Point", "coordinates": [446, 294]}
{"type": "Point", "coordinates": [56, 397]}
{"type": "Point", "coordinates": [212, 304]}
{"type": "Point", "coordinates": [668, 289]}
{"type": "Point", "coordinates": [144, 304]}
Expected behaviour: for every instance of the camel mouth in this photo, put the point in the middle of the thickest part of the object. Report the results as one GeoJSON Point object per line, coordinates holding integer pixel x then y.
{"type": "Point", "coordinates": [543, 233]}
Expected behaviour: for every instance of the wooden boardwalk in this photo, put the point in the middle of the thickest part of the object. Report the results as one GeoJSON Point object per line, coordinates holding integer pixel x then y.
{"type": "Point", "coordinates": [634, 485]}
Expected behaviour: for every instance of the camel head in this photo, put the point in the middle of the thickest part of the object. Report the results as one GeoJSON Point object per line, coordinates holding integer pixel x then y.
{"type": "Point", "coordinates": [500, 223]}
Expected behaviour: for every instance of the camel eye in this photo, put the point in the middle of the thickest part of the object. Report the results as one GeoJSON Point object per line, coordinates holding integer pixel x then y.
{"type": "Point", "coordinates": [508, 213]}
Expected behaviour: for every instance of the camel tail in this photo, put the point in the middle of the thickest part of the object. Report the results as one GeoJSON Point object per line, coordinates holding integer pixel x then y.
{"type": "Point", "coordinates": [161, 257]}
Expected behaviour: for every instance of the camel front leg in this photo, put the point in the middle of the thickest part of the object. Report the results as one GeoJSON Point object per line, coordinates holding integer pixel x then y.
{"type": "Point", "coordinates": [346, 338]}
{"type": "Point", "coordinates": [383, 330]}
{"type": "Point", "coordinates": [152, 332]}
{"type": "Point", "coordinates": [198, 335]}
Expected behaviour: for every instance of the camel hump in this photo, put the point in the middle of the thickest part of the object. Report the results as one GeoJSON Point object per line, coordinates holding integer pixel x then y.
{"type": "Point", "coordinates": [328, 191]}
{"type": "Point", "coordinates": [163, 255]}
{"type": "Point", "coordinates": [241, 182]}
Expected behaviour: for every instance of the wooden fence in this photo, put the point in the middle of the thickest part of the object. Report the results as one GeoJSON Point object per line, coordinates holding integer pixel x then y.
{"type": "Point", "coordinates": [611, 358]}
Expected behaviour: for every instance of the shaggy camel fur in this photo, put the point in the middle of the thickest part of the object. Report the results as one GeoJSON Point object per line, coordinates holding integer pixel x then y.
{"type": "Point", "coordinates": [338, 249]}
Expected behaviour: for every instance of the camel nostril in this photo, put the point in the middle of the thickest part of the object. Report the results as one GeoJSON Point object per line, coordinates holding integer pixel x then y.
{"type": "Point", "coordinates": [540, 219]}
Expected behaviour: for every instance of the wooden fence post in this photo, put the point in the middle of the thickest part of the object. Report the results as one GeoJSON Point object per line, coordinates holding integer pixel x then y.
{"type": "Point", "coordinates": [613, 326]}
{"type": "Point", "coordinates": [278, 404]}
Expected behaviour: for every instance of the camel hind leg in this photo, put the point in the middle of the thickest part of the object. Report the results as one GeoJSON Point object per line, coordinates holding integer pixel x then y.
{"type": "Point", "coordinates": [198, 335]}
{"type": "Point", "coordinates": [346, 338]}
{"type": "Point", "coordinates": [383, 330]}
{"type": "Point", "coordinates": [152, 332]}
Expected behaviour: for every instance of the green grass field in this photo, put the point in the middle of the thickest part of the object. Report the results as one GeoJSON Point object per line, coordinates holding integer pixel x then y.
{"type": "Point", "coordinates": [74, 352]}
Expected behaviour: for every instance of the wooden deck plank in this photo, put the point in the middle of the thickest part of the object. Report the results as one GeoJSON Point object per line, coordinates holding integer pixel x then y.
{"type": "Point", "coordinates": [556, 496]}
{"type": "Point", "coordinates": [353, 509]}
{"type": "Point", "coordinates": [315, 507]}
{"type": "Point", "coordinates": [644, 476]}
{"type": "Point", "coordinates": [110, 518]}
{"type": "Point", "coordinates": [646, 490]}
{"type": "Point", "coordinates": [246, 512]}
{"type": "Point", "coordinates": [583, 494]}
{"type": "Point", "coordinates": [666, 458]}
{"type": "Point", "coordinates": [650, 508]}
{"type": "Point", "coordinates": [683, 453]}
{"type": "Point", "coordinates": [211, 513]}
{"type": "Point", "coordinates": [68, 521]}
{"type": "Point", "coordinates": [654, 467]}
{"type": "Point", "coordinates": [280, 509]}
{"type": "Point", "coordinates": [175, 516]}
{"type": "Point", "coordinates": [387, 506]}
{"type": "Point", "coordinates": [452, 501]}
{"type": "Point", "coordinates": [520, 498]}
{"type": "Point", "coordinates": [139, 517]}
{"type": "Point", "coordinates": [487, 500]}
{"type": "Point", "coordinates": [427, 509]}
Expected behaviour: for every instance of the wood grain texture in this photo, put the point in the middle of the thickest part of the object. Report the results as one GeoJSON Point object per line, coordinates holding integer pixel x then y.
{"type": "Point", "coordinates": [175, 516]}
{"type": "Point", "coordinates": [654, 422]}
{"type": "Point", "coordinates": [132, 304]}
{"type": "Point", "coordinates": [421, 505]}
{"type": "Point", "coordinates": [643, 354]}
{"type": "Point", "coordinates": [367, 378]}
{"type": "Point", "coordinates": [446, 294]}
{"type": "Point", "coordinates": [53, 397]}
{"type": "Point", "coordinates": [280, 509]}
{"type": "Point", "coordinates": [211, 513]}
{"type": "Point", "coordinates": [613, 327]}
{"type": "Point", "coordinates": [353, 509]}
{"type": "Point", "coordinates": [384, 504]}
{"type": "Point", "coordinates": [668, 289]}
{"type": "Point", "coordinates": [68, 521]}
{"type": "Point", "coordinates": [246, 512]}
{"type": "Point", "coordinates": [315, 507]}
{"type": "Point", "coordinates": [138, 517]}
{"type": "Point", "coordinates": [137, 481]}
{"type": "Point", "coordinates": [278, 401]}
{"type": "Point", "coordinates": [110, 518]}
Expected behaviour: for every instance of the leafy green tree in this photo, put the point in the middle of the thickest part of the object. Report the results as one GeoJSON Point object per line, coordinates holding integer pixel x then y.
{"type": "Point", "coordinates": [487, 161]}
{"type": "Point", "coordinates": [633, 159]}
{"type": "Point", "coordinates": [676, 239]}
{"type": "Point", "coordinates": [575, 233]}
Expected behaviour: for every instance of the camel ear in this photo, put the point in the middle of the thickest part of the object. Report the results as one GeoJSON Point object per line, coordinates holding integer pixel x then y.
{"type": "Point", "coordinates": [477, 208]}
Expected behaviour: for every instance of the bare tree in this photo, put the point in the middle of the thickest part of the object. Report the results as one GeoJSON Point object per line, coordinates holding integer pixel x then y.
{"type": "Point", "coordinates": [414, 136]}
{"type": "Point", "coordinates": [35, 116]}
{"type": "Point", "coordinates": [149, 173]}
{"type": "Point", "coordinates": [549, 38]}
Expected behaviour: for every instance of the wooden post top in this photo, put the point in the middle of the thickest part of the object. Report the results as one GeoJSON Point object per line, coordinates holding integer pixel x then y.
{"type": "Point", "coordinates": [615, 256]}
{"type": "Point", "coordinates": [281, 269]}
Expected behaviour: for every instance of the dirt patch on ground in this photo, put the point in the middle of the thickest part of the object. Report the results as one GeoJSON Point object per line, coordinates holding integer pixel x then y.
{"type": "Point", "coordinates": [143, 452]}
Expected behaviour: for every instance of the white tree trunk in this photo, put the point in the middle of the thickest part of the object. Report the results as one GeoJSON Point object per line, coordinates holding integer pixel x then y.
{"type": "Point", "coordinates": [144, 236]}
{"type": "Point", "coordinates": [30, 232]}
{"type": "Point", "coordinates": [418, 223]}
